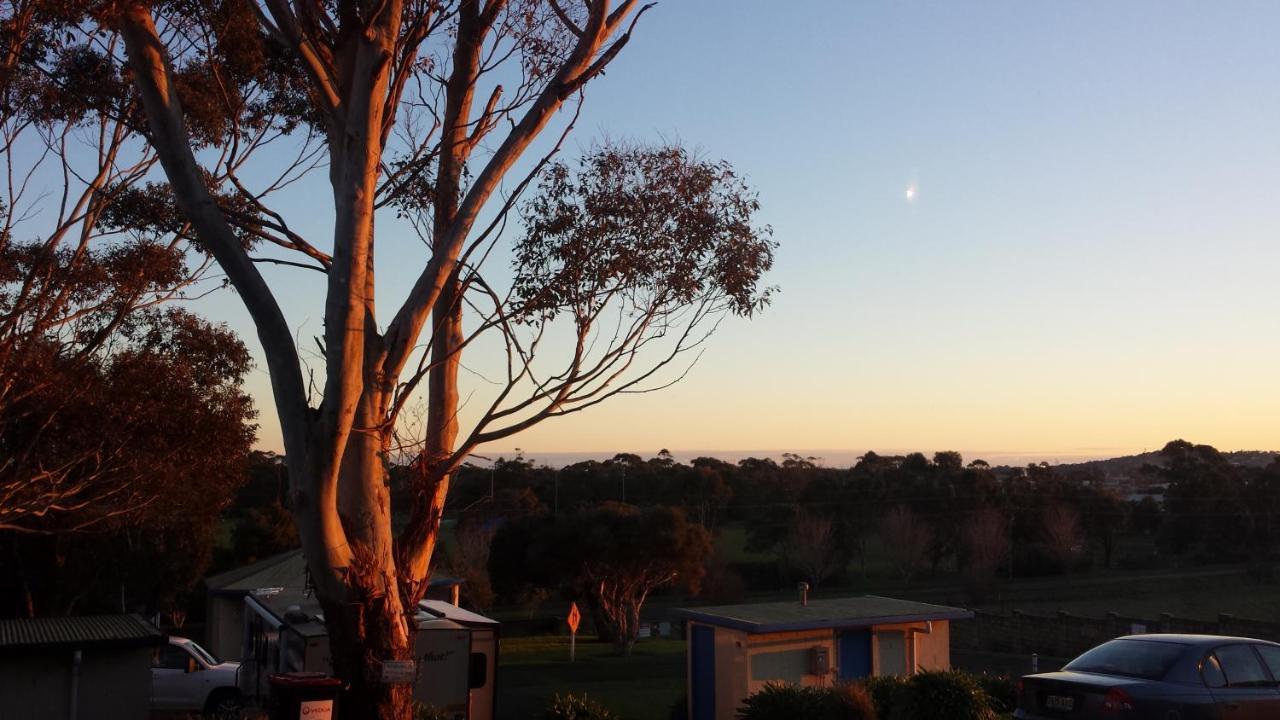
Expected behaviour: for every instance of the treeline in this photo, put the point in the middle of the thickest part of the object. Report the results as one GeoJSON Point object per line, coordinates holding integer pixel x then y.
{"type": "Point", "coordinates": [917, 515]}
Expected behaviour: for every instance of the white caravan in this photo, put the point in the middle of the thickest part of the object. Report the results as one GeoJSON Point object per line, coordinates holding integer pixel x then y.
{"type": "Point", "coordinates": [456, 651]}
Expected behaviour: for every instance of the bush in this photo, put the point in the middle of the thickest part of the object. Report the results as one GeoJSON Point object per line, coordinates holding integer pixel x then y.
{"type": "Point", "coordinates": [679, 709]}
{"type": "Point", "coordinates": [779, 701]}
{"type": "Point", "coordinates": [856, 702]}
{"type": "Point", "coordinates": [1001, 690]}
{"type": "Point", "coordinates": [884, 692]}
{"type": "Point", "coordinates": [947, 694]}
{"type": "Point", "coordinates": [572, 707]}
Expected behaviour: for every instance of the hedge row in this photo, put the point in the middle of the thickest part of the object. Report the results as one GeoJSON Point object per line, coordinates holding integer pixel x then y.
{"type": "Point", "coordinates": [951, 694]}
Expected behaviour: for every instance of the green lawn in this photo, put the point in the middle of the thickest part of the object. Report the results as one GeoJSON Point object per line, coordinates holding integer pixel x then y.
{"type": "Point", "coordinates": [1193, 595]}
{"type": "Point", "coordinates": [641, 687]}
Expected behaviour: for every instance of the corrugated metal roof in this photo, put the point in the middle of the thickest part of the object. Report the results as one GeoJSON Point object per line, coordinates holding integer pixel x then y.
{"type": "Point", "coordinates": [863, 611]}
{"type": "Point", "coordinates": [77, 631]}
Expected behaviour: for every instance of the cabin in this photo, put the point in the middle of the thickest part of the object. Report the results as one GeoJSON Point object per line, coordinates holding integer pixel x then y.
{"type": "Point", "coordinates": [734, 650]}
{"type": "Point", "coordinates": [284, 572]}
{"type": "Point", "coordinates": [77, 668]}
{"type": "Point", "coordinates": [455, 651]}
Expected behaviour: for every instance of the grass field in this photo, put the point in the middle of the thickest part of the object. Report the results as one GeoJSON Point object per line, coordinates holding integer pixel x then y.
{"type": "Point", "coordinates": [1199, 595]}
{"type": "Point", "coordinates": [641, 687]}
{"type": "Point", "coordinates": [645, 686]}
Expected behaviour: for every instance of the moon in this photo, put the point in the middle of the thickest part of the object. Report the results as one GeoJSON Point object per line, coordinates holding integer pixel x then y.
{"type": "Point", "coordinates": [911, 192]}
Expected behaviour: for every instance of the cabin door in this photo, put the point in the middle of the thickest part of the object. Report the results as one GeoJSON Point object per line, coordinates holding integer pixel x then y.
{"type": "Point", "coordinates": [892, 646]}
{"type": "Point", "coordinates": [702, 672]}
{"type": "Point", "coordinates": [854, 658]}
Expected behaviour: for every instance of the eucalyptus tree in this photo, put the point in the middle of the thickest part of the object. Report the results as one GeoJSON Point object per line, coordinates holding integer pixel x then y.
{"type": "Point", "coordinates": [424, 117]}
{"type": "Point", "coordinates": [86, 272]}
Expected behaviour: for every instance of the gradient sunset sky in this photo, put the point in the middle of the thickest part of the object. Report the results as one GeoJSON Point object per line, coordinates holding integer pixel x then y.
{"type": "Point", "coordinates": [1087, 267]}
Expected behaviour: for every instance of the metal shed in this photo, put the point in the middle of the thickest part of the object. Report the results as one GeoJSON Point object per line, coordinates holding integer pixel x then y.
{"type": "Point", "coordinates": [734, 650]}
{"type": "Point", "coordinates": [77, 668]}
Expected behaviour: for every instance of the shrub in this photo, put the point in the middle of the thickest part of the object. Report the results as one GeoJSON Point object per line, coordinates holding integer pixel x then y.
{"type": "Point", "coordinates": [942, 694]}
{"type": "Point", "coordinates": [884, 691]}
{"type": "Point", "coordinates": [787, 702]}
{"type": "Point", "coordinates": [572, 707]}
{"type": "Point", "coordinates": [679, 709]}
{"type": "Point", "coordinates": [1001, 690]}
{"type": "Point", "coordinates": [856, 702]}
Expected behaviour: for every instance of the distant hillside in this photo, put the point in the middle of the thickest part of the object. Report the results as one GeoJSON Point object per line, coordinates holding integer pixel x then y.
{"type": "Point", "coordinates": [1130, 464]}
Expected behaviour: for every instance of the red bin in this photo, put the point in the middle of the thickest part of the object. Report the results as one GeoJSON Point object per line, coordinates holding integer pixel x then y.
{"type": "Point", "coordinates": [304, 696]}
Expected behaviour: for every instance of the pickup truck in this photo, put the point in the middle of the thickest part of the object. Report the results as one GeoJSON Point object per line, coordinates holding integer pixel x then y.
{"type": "Point", "coordinates": [185, 676]}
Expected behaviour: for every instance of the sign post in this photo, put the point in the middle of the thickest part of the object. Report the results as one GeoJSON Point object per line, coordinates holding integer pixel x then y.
{"type": "Point", "coordinates": [574, 618]}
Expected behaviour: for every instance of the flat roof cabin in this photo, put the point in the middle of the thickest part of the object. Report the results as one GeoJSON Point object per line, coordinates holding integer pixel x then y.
{"type": "Point", "coordinates": [734, 650]}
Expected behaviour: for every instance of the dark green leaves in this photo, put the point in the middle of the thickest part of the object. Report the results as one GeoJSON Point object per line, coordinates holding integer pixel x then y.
{"type": "Point", "coordinates": [651, 226]}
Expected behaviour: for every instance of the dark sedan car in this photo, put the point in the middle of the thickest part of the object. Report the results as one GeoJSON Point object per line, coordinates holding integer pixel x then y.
{"type": "Point", "coordinates": [1160, 677]}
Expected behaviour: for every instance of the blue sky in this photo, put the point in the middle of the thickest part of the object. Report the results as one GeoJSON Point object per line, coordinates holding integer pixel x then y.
{"type": "Point", "coordinates": [1088, 267]}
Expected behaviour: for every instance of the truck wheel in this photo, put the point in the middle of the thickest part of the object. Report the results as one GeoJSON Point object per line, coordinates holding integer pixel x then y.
{"type": "Point", "coordinates": [223, 704]}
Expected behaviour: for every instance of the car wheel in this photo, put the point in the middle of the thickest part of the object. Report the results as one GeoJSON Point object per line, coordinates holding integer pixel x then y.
{"type": "Point", "coordinates": [223, 705]}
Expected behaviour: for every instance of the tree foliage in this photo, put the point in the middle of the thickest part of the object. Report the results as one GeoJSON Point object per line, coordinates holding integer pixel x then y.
{"type": "Point", "coordinates": [421, 116]}
{"type": "Point", "coordinates": [167, 402]}
{"type": "Point", "coordinates": [611, 556]}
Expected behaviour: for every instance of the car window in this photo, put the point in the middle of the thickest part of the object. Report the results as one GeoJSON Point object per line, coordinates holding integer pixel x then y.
{"type": "Point", "coordinates": [1211, 671]}
{"type": "Point", "coordinates": [208, 657]}
{"type": "Point", "coordinates": [1271, 656]}
{"type": "Point", "coordinates": [1148, 659]}
{"type": "Point", "coordinates": [1241, 666]}
{"type": "Point", "coordinates": [170, 657]}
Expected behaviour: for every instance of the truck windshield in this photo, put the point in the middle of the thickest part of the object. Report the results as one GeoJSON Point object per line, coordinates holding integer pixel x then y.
{"type": "Point", "coordinates": [203, 654]}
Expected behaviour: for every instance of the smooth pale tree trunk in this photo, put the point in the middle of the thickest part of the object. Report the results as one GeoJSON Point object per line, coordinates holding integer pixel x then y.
{"type": "Point", "coordinates": [367, 580]}
{"type": "Point", "coordinates": [368, 620]}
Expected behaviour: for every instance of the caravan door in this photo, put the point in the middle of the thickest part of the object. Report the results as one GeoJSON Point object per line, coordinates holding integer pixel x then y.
{"type": "Point", "coordinates": [443, 652]}
{"type": "Point", "coordinates": [484, 655]}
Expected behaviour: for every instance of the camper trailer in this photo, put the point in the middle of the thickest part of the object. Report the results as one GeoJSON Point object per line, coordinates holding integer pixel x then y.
{"type": "Point", "coordinates": [455, 651]}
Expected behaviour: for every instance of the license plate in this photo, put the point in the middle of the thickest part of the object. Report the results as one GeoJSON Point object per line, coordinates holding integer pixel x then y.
{"type": "Point", "coordinates": [1059, 702]}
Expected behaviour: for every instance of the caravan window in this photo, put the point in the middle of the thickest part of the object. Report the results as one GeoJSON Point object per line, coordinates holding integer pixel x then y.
{"type": "Point", "coordinates": [478, 672]}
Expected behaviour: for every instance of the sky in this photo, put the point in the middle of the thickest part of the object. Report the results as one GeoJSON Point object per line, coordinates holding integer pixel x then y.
{"type": "Point", "coordinates": [1022, 230]}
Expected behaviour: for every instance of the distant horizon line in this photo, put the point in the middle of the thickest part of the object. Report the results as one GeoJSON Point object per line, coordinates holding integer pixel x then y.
{"type": "Point", "coordinates": [830, 457]}
{"type": "Point", "coordinates": [827, 457]}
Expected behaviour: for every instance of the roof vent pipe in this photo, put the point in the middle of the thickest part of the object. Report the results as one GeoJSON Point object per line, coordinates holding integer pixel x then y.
{"type": "Point", "coordinates": [804, 594]}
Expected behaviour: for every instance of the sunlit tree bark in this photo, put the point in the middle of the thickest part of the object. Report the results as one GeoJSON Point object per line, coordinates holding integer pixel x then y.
{"type": "Point", "coordinates": [422, 111]}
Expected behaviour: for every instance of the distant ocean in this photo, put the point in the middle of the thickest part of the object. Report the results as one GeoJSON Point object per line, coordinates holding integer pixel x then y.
{"type": "Point", "coordinates": [823, 457]}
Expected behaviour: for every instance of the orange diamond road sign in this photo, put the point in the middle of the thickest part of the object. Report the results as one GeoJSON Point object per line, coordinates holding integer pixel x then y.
{"type": "Point", "coordinates": [574, 618]}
